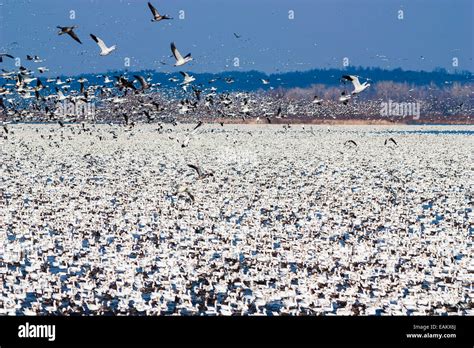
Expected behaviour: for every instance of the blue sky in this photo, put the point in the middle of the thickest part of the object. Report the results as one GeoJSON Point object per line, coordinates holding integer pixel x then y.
{"type": "Point", "coordinates": [323, 32]}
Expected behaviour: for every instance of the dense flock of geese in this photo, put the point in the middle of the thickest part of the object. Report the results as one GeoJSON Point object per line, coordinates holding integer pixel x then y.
{"type": "Point", "coordinates": [235, 220]}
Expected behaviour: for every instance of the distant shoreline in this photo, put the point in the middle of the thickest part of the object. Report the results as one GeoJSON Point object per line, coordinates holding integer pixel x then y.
{"type": "Point", "coordinates": [264, 122]}
{"type": "Point", "coordinates": [460, 122]}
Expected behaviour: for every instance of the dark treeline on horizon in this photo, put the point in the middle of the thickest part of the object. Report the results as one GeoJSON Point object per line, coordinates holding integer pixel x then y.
{"type": "Point", "coordinates": [251, 80]}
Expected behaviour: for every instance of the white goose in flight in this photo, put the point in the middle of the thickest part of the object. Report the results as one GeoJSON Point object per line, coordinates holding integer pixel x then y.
{"type": "Point", "coordinates": [344, 98]}
{"type": "Point", "coordinates": [179, 58]}
{"type": "Point", "coordinates": [317, 100]}
{"type": "Point", "coordinates": [187, 78]}
{"type": "Point", "coordinates": [104, 50]}
{"type": "Point", "coordinates": [60, 95]}
{"type": "Point", "coordinates": [358, 87]}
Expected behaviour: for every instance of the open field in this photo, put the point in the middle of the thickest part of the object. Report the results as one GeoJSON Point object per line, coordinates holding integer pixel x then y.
{"type": "Point", "coordinates": [111, 219]}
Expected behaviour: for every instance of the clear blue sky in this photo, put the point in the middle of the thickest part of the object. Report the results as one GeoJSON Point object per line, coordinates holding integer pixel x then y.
{"type": "Point", "coordinates": [322, 33]}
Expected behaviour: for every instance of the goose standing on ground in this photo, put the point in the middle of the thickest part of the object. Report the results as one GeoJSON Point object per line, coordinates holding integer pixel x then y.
{"type": "Point", "coordinates": [179, 58]}
{"type": "Point", "coordinates": [358, 87]}
{"type": "Point", "coordinates": [156, 15]}
{"type": "Point", "coordinates": [69, 31]}
{"type": "Point", "coordinates": [104, 50]}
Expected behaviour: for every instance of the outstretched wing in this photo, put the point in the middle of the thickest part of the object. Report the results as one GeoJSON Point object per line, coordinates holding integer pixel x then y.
{"type": "Point", "coordinates": [190, 195]}
{"type": "Point", "coordinates": [351, 142]}
{"type": "Point", "coordinates": [74, 36]}
{"type": "Point", "coordinates": [99, 42]}
{"type": "Point", "coordinates": [355, 82]}
{"type": "Point", "coordinates": [175, 51]}
{"type": "Point", "coordinates": [353, 79]}
{"type": "Point", "coordinates": [142, 81]}
{"type": "Point", "coordinates": [197, 126]}
{"type": "Point", "coordinates": [154, 11]}
{"type": "Point", "coordinates": [196, 168]}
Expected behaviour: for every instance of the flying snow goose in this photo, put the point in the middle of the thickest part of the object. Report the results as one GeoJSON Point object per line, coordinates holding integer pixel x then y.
{"type": "Point", "coordinates": [104, 50]}
{"type": "Point", "coordinates": [60, 95]}
{"type": "Point", "coordinates": [358, 87]}
{"type": "Point", "coordinates": [187, 78]}
{"type": "Point", "coordinates": [317, 100]}
{"type": "Point", "coordinates": [179, 58]}
{"type": "Point", "coordinates": [191, 134]}
{"type": "Point", "coordinates": [344, 98]}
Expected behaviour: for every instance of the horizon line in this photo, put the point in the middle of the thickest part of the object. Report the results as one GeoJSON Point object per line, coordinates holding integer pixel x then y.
{"type": "Point", "coordinates": [437, 70]}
